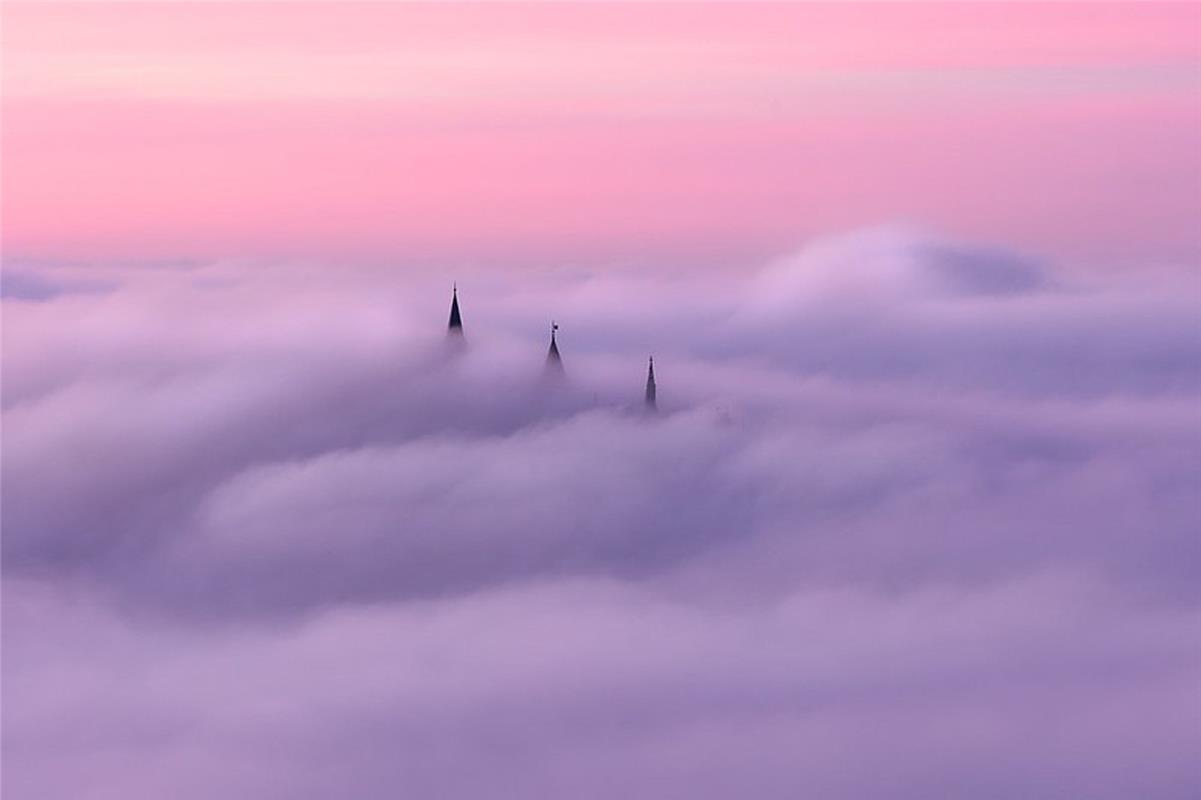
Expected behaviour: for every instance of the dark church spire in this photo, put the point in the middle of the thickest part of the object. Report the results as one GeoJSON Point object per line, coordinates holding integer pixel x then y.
{"type": "Point", "coordinates": [650, 385]}
{"type": "Point", "coordinates": [455, 326]}
{"type": "Point", "coordinates": [554, 362]}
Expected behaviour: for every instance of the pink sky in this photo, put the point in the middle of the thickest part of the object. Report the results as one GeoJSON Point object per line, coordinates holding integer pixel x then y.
{"type": "Point", "coordinates": [596, 133]}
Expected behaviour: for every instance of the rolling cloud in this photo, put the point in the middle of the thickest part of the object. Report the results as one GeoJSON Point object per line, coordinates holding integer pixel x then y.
{"type": "Point", "coordinates": [916, 518]}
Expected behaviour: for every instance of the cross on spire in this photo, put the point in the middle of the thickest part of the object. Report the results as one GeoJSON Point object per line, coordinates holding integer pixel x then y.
{"type": "Point", "coordinates": [554, 362]}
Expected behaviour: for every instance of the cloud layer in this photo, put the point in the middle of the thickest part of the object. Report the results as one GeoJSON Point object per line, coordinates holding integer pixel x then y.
{"type": "Point", "coordinates": [917, 518]}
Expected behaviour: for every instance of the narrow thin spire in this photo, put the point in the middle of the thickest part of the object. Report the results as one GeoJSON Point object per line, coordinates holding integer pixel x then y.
{"type": "Point", "coordinates": [554, 362]}
{"type": "Point", "coordinates": [650, 385]}
{"type": "Point", "coordinates": [455, 326]}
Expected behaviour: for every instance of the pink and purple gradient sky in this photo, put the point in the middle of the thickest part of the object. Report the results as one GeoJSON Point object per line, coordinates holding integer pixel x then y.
{"type": "Point", "coordinates": [596, 133]}
{"type": "Point", "coordinates": [916, 518]}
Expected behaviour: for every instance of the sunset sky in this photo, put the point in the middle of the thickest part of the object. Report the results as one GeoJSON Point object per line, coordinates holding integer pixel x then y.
{"type": "Point", "coordinates": [916, 516]}
{"type": "Point", "coordinates": [683, 134]}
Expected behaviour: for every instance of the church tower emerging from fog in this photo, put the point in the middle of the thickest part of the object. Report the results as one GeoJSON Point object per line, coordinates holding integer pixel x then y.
{"type": "Point", "coordinates": [554, 362]}
{"type": "Point", "coordinates": [650, 385]}
{"type": "Point", "coordinates": [454, 328]}
{"type": "Point", "coordinates": [553, 368]}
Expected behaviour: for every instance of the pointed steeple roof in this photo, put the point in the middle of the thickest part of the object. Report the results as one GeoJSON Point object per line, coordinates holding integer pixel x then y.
{"type": "Point", "coordinates": [650, 385]}
{"type": "Point", "coordinates": [554, 362]}
{"type": "Point", "coordinates": [455, 326]}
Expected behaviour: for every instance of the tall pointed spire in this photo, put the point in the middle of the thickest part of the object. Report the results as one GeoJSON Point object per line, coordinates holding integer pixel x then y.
{"type": "Point", "coordinates": [650, 385]}
{"type": "Point", "coordinates": [455, 326]}
{"type": "Point", "coordinates": [554, 362]}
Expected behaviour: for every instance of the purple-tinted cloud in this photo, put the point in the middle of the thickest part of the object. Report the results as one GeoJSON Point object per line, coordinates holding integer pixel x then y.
{"type": "Point", "coordinates": [917, 518]}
